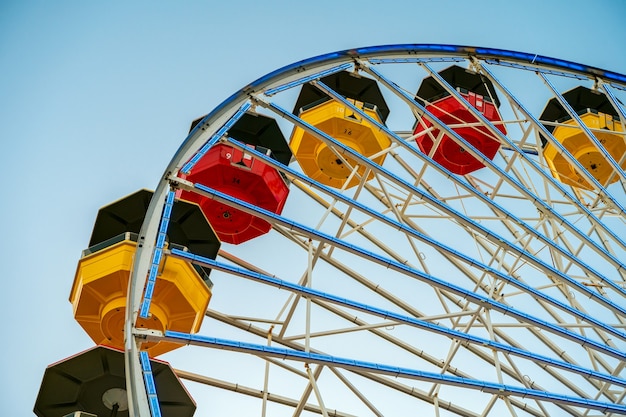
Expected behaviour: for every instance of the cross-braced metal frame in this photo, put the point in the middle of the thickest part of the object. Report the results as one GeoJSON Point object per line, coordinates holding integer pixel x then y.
{"type": "Point", "coordinates": [499, 292]}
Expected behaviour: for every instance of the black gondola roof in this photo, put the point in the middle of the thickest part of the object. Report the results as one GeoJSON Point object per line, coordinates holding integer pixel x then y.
{"type": "Point", "coordinates": [458, 77]}
{"type": "Point", "coordinates": [349, 85]}
{"type": "Point", "coordinates": [80, 383]}
{"type": "Point", "coordinates": [259, 130]}
{"type": "Point", "coordinates": [582, 100]}
{"type": "Point", "coordinates": [188, 226]}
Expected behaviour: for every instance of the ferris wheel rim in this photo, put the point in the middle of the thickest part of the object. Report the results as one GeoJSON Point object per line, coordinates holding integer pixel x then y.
{"type": "Point", "coordinates": [237, 103]}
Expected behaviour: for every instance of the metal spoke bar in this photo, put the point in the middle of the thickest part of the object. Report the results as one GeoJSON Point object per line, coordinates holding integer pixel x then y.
{"type": "Point", "coordinates": [153, 399]}
{"type": "Point", "coordinates": [615, 102]}
{"type": "Point", "coordinates": [157, 255]}
{"type": "Point", "coordinates": [379, 379]}
{"type": "Point", "coordinates": [389, 315]}
{"type": "Point", "coordinates": [394, 371]}
{"type": "Point", "coordinates": [254, 392]}
{"type": "Point", "coordinates": [221, 132]}
{"type": "Point", "coordinates": [270, 92]}
{"type": "Point", "coordinates": [497, 207]}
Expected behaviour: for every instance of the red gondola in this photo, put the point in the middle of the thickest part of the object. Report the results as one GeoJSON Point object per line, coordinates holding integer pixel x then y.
{"type": "Point", "coordinates": [480, 94]}
{"type": "Point", "coordinates": [238, 174]}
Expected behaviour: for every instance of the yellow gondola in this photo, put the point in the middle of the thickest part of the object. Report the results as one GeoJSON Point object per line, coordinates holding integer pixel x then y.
{"type": "Point", "coordinates": [315, 157]}
{"type": "Point", "coordinates": [182, 291]}
{"type": "Point", "coordinates": [596, 112]}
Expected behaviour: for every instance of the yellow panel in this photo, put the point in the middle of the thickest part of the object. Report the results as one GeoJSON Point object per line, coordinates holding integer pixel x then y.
{"type": "Point", "coordinates": [98, 297]}
{"type": "Point", "coordinates": [584, 151]}
{"type": "Point", "coordinates": [320, 162]}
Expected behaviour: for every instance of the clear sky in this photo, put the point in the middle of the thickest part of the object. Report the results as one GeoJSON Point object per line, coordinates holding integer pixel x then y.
{"type": "Point", "coordinates": [95, 97]}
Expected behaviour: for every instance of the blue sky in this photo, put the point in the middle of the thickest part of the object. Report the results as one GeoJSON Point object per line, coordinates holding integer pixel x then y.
{"type": "Point", "coordinates": [95, 97]}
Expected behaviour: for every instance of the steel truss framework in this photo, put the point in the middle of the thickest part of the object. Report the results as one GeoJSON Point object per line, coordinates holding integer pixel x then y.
{"type": "Point", "coordinates": [501, 292]}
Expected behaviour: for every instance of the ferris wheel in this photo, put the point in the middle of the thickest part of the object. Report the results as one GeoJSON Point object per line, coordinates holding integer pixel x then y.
{"type": "Point", "coordinates": [428, 229]}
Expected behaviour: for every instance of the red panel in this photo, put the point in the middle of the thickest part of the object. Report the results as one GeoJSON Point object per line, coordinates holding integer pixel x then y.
{"type": "Point", "coordinates": [451, 112]}
{"type": "Point", "coordinates": [230, 171]}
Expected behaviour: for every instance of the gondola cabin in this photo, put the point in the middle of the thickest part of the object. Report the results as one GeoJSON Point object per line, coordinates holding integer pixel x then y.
{"type": "Point", "coordinates": [93, 384]}
{"type": "Point", "coordinates": [597, 113]}
{"type": "Point", "coordinates": [182, 290]}
{"type": "Point", "coordinates": [317, 159]}
{"type": "Point", "coordinates": [238, 174]}
{"type": "Point", "coordinates": [479, 93]}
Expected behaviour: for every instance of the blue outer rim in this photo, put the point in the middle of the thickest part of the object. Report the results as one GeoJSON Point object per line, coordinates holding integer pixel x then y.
{"type": "Point", "coordinates": [448, 50]}
{"type": "Point", "coordinates": [461, 51]}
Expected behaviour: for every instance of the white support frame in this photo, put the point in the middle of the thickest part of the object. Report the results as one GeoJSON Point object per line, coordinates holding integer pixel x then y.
{"type": "Point", "coordinates": [564, 244]}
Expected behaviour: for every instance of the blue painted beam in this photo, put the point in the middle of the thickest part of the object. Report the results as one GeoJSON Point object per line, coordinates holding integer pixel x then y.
{"type": "Point", "coordinates": [144, 311]}
{"type": "Point", "coordinates": [400, 318]}
{"type": "Point", "coordinates": [394, 371]}
{"type": "Point", "coordinates": [153, 399]}
{"type": "Point", "coordinates": [217, 136]}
